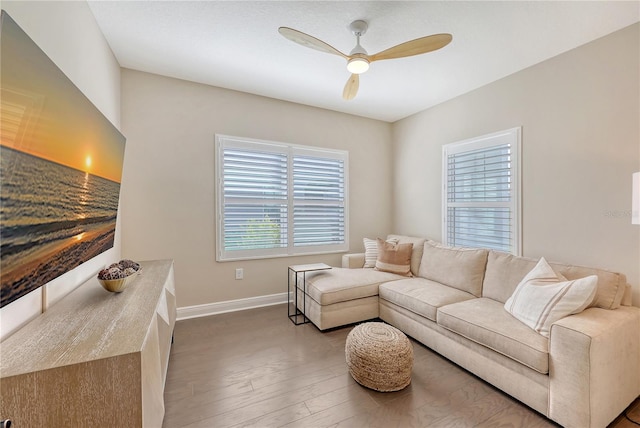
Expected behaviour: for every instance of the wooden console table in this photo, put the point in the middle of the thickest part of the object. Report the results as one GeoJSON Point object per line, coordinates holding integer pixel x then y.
{"type": "Point", "coordinates": [95, 358]}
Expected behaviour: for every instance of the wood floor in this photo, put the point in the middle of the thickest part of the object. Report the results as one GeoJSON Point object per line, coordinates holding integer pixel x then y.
{"type": "Point", "coordinates": [255, 368]}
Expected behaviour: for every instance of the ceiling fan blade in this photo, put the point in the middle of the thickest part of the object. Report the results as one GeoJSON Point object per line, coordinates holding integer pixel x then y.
{"type": "Point", "coordinates": [309, 41]}
{"type": "Point", "coordinates": [351, 88]}
{"type": "Point", "coordinates": [414, 47]}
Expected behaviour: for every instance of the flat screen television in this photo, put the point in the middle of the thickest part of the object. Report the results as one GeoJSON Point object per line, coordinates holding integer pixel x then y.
{"type": "Point", "coordinates": [60, 170]}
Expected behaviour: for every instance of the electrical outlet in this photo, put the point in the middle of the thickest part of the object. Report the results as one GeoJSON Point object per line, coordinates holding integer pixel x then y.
{"type": "Point", "coordinates": [239, 273]}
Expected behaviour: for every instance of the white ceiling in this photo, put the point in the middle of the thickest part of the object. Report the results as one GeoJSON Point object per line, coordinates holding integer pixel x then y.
{"type": "Point", "coordinates": [236, 45]}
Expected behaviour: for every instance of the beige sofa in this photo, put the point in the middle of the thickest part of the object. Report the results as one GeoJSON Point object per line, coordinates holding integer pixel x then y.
{"type": "Point", "coordinates": [583, 375]}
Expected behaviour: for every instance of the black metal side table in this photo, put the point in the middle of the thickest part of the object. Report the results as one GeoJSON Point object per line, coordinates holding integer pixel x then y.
{"type": "Point", "coordinates": [298, 316]}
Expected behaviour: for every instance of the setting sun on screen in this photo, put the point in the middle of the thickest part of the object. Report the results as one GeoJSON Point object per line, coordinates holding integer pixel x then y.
{"type": "Point", "coordinates": [87, 162]}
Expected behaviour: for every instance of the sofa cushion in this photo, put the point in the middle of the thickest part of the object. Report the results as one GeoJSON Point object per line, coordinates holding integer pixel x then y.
{"type": "Point", "coordinates": [339, 284]}
{"type": "Point", "coordinates": [611, 285]}
{"type": "Point", "coordinates": [416, 254]}
{"type": "Point", "coordinates": [461, 268]}
{"type": "Point", "coordinates": [371, 251]}
{"type": "Point", "coordinates": [485, 322]}
{"type": "Point", "coordinates": [543, 297]}
{"type": "Point", "coordinates": [505, 271]}
{"type": "Point", "coordinates": [421, 296]}
{"type": "Point", "coordinates": [503, 274]}
{"type": "Point", "coordinates": [394, 258]}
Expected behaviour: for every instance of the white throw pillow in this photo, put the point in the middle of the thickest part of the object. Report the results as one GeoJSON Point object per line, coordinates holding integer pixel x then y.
{"type": "Point", "coordinates": [543, 297]}
{"type": "Point", "coordinates": [371, 251]}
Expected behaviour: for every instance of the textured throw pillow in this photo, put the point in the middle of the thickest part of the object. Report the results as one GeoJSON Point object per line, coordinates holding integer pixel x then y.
{"type": "Point", "coordinates": [394, 258]}
{"type": "Point", "coordinates": [543, 297]}
{"type": "Point", "coordinates": [416, 254]}
{"type": "Point", "coordinates": [371, 251]}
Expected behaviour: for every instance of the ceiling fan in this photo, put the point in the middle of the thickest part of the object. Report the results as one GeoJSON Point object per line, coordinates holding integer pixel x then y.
{"type": "Point", "coordinates": [358, 60]}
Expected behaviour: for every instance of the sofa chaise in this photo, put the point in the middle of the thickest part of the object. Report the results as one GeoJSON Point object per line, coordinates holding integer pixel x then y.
{"type": "Point", "coordinates": [583, 372]}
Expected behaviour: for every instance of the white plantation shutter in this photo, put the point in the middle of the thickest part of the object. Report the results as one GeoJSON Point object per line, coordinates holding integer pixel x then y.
{"type": "Point", "coordinates": [277, 200]}
{"type": "Point", "coordinates": [481, 192]}
{"type": "Point", "coordinates": [255, 199]}
{"type": "Point", "coordinates": [318, 201]}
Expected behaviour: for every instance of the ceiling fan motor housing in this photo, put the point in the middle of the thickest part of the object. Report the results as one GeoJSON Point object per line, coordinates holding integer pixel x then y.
{"type": "Point", "coordinates": [358, 58]}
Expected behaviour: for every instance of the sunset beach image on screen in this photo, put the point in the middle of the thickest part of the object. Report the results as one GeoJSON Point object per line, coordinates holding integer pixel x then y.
{"type": "Point", "coordinates": [60, 170]}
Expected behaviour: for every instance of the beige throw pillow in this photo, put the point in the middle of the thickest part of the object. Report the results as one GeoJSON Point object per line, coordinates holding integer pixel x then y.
{"type": "Point", "coordinates": [394, 258]}
{"type": "Point", "coordinates": [416, 254]}
{"type": "Point", "coordinates": [371, 251]}
{"type": "Point", "coordinates": [543, 297]}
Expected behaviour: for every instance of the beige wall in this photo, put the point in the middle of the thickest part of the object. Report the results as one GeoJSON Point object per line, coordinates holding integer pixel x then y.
{"type": "Point", "coordinates": [579, 114]}
{"type": "Point", "coordinates": [168, 196]}
{"type": "Point", "coordinates": [68, 33]}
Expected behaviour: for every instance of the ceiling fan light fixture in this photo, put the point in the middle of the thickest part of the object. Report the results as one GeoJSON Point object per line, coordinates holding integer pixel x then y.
{"type": "Point", "coordinates": [357, 65]}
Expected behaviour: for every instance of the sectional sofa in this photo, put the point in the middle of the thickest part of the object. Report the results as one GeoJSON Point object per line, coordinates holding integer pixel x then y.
{"type": "Point", "coordinates": [582, 372]}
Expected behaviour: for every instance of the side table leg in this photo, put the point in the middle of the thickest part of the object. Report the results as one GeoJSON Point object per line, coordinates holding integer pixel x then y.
{"type": "Point", "coordinates": [304, 298]}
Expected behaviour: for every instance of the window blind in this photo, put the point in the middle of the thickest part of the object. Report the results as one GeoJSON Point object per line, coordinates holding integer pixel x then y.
{"type": "Point", "coordinates": [480, 198]}
{"type": "Point", "coordinates": [255, 199]}
{"type": "Point", "coordinates": [318, 200]}
{"type": "Point", "coordinates": [276, 199]}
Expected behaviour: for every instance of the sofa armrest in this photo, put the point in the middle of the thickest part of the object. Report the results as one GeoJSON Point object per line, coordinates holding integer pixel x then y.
{"type": "Point", "coordinates": [353, 261]}
{"type": "Point", "coordinates": [593, 366]}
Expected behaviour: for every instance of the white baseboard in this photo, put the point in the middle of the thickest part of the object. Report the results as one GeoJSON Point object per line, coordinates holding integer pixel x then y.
{"type": "Point", "coordinates": [207, 309]}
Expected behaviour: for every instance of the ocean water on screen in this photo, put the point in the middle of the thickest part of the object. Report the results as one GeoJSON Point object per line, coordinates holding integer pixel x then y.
{"type": "Point", "coordinates": [43, 203]}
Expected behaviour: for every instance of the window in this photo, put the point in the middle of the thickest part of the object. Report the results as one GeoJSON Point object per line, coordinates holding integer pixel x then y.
{"type": "Point", "coordinates": [278, 199]}
{"type": "Point", "coordinates": [481, 197]}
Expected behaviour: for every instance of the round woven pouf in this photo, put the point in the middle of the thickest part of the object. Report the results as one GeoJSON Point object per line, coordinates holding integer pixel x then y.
{"type": "Point", "coordinates": [379, 356]}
